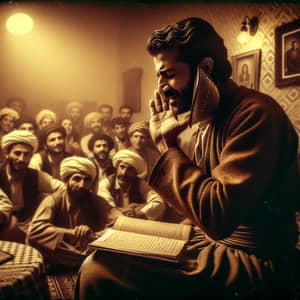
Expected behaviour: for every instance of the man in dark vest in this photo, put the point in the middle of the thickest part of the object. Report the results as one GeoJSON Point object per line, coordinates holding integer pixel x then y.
{"type": "Point", "coordinates": [52, 150]}
{"type": "Point", "coordinates": [21, 184]}
{"type": "Point", "coordinates": [127, 189]}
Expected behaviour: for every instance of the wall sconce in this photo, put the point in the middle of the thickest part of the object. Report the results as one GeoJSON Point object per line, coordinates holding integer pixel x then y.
{"type": "Point", "coordinates": [249, 27]}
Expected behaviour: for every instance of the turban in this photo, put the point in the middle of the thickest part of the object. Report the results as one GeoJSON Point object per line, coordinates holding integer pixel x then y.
{"type": "Point", "coordinates": [73, 104]}
{"type": "Point", "coordinates": [9, 111]}
{"type": "Point", "coordinates": [45, 113]}
{"type": "Point", "coordinates": [141, 126]}
{"type": "Point", "coordinates": [19, 137]}
{"type": "Point", "coordinates": [89, 117]}
{"type": "Point", "coordinates": [77, 164]}
{"type": "Point", "coordinates": [133, 159]}
{"type": "Point", "coordinates": [45, 131]}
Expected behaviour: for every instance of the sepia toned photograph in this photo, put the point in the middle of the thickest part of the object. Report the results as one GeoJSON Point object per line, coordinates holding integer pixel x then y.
{"type": "Point", "coordinates": [246, 69]}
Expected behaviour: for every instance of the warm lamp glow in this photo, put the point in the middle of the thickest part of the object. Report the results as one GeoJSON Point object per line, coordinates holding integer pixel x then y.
{"type": "Point", "coordinates": [243, 37]}
{"type": "Point", "coordinates": [19, 24]}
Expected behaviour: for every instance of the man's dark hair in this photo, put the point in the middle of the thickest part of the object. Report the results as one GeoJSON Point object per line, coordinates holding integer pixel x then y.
{"type": "Point", "coordinates": [26, 119]}
{"type": "Point", "coordinates": [100, 136]}
{"type": "Point", "coordinates": [195, 39]}
{"type": "Point", "coordinates": [125, 106]}
{"type": "Point", "coordinates": [118, 121]}
{"type": "Point", "coordinates": [105, 106]}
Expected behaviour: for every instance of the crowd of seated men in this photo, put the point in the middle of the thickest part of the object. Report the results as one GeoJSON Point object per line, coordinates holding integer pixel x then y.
{"type": "Point", "coordinates": [62, 181]}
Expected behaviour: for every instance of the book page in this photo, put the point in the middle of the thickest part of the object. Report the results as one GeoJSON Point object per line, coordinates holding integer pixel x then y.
{"type": "Point", "coordinates": [156, 228]}
{"type": "Point", "coordinates": [137, 243]}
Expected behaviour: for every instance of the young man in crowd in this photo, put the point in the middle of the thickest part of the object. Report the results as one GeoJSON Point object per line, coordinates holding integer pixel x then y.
{"type": "Point", "coordinates": [74, 111]}
{"type": "Point", "coordinates": [127, 189]}
{"type": "Point", "coordinates": [106, 112]}
{"type": "Point", "coordinates": [237, 189]}
{"type": "Point", "coordinates": [125, 112]}
{"type": "Point", "coordinates": [66, 221]}
{"type": "Point", "coordinates": [92, 124]}
{"type": "Point", "coordinates": [101, 146]}
{"type": "Point", "coordinates": [52, 150]}
{"type": "Point", "coordinates": [23, 185]}
{"type": "Point", "coordinates": [119, 128]}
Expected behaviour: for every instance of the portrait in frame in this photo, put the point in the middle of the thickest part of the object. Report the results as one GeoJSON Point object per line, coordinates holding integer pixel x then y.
{"type": "Point", "coordinates": [287, 54]}
{"type": "Point", "coordinates": [246, 68]}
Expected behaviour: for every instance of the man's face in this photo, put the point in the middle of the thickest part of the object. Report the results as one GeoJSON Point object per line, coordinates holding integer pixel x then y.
{"type": "Point", "coordinates": [27, 126]}
{"type": "Point", "coordinates": [7, 123]}
{"type": "Point", "coordinates": [125, 113]}
{"type": "Point", "coordinates": [17, 106]}
{"type": "Point", "coordinates": [138, 140]}
{"type": "Point", "coordinates": [177, 75]}
{"type": "Point", "coordinates": [78, 186]}
{"type": "Point", "coordinates": [101, 150]}
{"type": "Point", "coordinates": [75, 113]}
{"type": "Point", "coordinates": [68, 126]}
{"type": "Point", "coordinates": [119, 130]}
{"type": "Point", "coordinates": [125, 174]}
{"type": "Point", "coordinates": [95, 125]}
{"type": "Point", "coordinates": [55, 143]}
{"type": "Point", "coordinates": [45, 122]}
{"type": "Point", "coordinates": [18, 157]}
{"type": "Point", "coordinates": [106, 114]}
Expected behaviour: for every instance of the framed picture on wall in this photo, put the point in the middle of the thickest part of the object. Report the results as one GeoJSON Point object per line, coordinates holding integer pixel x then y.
{"type": "Point", "coordinates": [287, 54]}
{"type": "Point", "coordinates": [246, 68]}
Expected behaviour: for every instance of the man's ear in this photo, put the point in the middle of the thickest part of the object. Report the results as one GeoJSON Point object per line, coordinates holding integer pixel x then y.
{"type": "Point", "coordinates": [207, 64]}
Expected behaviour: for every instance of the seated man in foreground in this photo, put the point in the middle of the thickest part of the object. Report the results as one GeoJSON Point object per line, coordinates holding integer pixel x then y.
{"type": "Point", "coordinates": [238, 189]}
{"type": "Point", "coordinates": [65, 222]}
{"type": "Point", "coordinates": [127, 190]}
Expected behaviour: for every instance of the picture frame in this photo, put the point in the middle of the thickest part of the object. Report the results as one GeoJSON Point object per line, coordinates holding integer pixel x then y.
{"type": "Point", "coordinates": [246, 68]}
{"type": "Point", "coordinates": [287, 54]}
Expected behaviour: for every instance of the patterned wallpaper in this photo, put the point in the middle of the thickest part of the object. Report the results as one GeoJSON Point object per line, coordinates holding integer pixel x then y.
{"type": "Point", "coordinates": [270, 16]}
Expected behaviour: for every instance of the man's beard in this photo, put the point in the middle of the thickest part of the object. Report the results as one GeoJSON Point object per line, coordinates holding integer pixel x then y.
{"type": "Point", "coordinates": [124, 181]}
{"type": "Point", "coordinates": [100, 159]}
{"type": "Point", "coordinates": [79, 196]}
{"type": "Point", "coordinates": [57, 151]}
{"type": "Point", "coordinates": [17, 167]}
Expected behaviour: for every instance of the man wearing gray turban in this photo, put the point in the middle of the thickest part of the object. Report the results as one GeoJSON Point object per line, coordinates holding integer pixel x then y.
{"type": "Point", "coordinates": [66, 221]}
{"type": "Point", "coordinates": [23, 185]}
{"type": "Point", "coordinates": [128, 190]}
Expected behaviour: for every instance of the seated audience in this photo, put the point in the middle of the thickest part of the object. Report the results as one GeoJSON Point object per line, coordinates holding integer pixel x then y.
{"type": "Point", "coordinates": [72, 141]}
{"type": "Point", "coordinates": [66, 221]}
{"type": "Point", "coordinates": [101, 145]}
{"type": "Point", "coordinates": [23, 185]}
{"type": "Point", "coordinates": [142, 144]}
{"type": "Point", "coordinates": [74, 111]}
{"type": "Point", "coordinates": [52, 150]}
{"type": "Point", "coordinates": [127, 190]}
{"type": "Point", "coordinates": [92, 125]}
{"type": "Point", "coordinates": [44, 118]}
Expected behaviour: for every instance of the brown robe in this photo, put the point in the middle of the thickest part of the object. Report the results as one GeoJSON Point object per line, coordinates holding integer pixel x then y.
{"type": "Point", "coordinates": [241, 201]}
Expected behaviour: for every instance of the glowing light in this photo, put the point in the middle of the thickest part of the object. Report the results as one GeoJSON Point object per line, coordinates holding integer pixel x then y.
{"type": "Point", "coordinates": [243, 37]}
{"type": "Point", "coordinates": [19, 24]}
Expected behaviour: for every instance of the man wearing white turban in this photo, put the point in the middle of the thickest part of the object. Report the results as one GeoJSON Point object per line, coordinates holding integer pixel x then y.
{"type": "Point", "coordinates": [127, 189]}
{"type": "Point", "coordinates": [66, 221]}
{"type": "Point", "coordinates": [23, 185]}
{"type": "Point", "coordinates": [92, 124]}
{"type": "Point", "coordinates": [45, 117]}
{"type": "Point", "coordinates": [8, 118]}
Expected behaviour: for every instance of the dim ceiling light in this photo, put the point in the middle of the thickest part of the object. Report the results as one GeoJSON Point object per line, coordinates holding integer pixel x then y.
{"type": "Point", "coordinates": [19, 24]}
{"type": "Point", "coordinates": [249, 27]}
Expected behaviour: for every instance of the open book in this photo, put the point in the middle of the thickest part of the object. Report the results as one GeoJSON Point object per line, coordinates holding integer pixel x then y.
{"type": "Point", "coordinates": [152, 239]}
